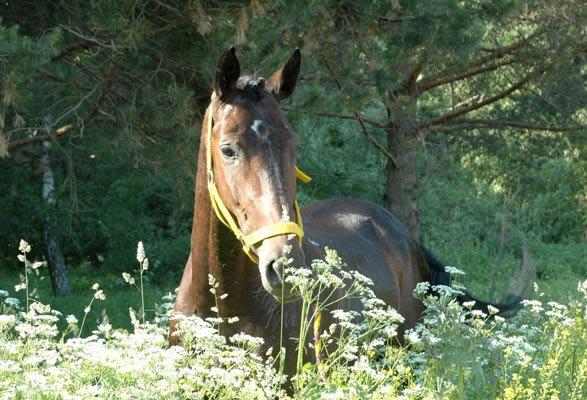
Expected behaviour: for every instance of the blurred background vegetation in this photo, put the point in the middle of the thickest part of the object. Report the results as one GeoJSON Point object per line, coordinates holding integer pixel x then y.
{"type": "Point", "coordinates": [466, 119]}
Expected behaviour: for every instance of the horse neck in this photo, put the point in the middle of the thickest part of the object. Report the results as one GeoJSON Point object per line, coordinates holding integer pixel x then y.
{"type": "Point", "coordinates": [216, 251]}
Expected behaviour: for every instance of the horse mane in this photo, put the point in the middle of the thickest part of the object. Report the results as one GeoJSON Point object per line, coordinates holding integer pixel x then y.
{"type": "Point", "coordinates": [248, 86]}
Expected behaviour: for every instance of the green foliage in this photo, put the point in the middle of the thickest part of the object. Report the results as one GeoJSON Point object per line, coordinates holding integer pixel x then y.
{"type": "Point", "coordinates": [135, 81]}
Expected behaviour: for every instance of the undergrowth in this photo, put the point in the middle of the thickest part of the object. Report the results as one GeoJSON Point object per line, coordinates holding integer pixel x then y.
{"type": "Point", "coordinates": [456, 352]}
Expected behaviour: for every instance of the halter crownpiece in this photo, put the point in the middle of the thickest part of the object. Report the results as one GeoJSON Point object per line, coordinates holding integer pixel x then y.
{"type": "Point", "coordinates": [225, 216]}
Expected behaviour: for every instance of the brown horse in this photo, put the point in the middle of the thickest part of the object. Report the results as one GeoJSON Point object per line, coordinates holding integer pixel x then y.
{"type": "Point", "coordinates": [247, 164]}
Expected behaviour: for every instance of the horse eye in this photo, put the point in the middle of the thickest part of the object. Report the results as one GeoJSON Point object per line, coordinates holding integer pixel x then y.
{"type": "Point", "coordinates": [228, 152]}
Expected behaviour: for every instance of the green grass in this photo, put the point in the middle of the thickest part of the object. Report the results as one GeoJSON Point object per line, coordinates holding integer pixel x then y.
{"type": "Point", "coordinates": [119, 295]}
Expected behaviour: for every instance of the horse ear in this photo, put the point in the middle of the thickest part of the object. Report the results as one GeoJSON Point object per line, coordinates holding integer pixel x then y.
{"type": "Point", "coordinates": [227, 73]}
{"type": "Point", "coordinates": [283, 82]}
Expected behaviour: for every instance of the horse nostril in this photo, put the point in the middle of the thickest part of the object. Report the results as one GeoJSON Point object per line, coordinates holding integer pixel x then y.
{"type": "Point", "coordinates": [274, 273]}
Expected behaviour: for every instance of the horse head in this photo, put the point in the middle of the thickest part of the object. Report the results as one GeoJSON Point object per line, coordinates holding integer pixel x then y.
{"type": "Point", "coordinates": [251, 161]}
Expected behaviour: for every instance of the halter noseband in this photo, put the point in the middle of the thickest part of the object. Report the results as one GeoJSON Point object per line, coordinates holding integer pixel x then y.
{"type": "Point", "coordinates": [225, 216]}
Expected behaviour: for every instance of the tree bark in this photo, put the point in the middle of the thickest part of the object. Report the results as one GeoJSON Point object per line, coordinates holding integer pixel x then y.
{"type": "Point", "coordinates": [51, 246]}
{"type": "Point", "coordinates": [402, 136]}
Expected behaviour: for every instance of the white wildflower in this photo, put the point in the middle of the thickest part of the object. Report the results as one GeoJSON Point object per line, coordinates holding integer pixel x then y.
{"type": "Point", "coordinates": [338, 395]}
{"type": "Point", "coordinates": [492, 310]}
{"type": "Point", "coordinates": [95, 286]}
{"type": "Point", "coordinates": [37, 264]}
{"type": "Point", "coordinates": [24, 247]}
{"type": "Point", "coordinates": [87, 309]}
{"type": "Point", "coordinates": [3, 293]}
{"type": "Point", "coordinates": [19, 287]}
{"type": "Point", "coordinates": [373, 302]}
{"type": "Point", "coordinates": [145, 264]}
{"type": "Point", "coordinates": [557, 306]}
{"type": "Point", "coordinates": [128, 278]}
{"type": "Point", "coordinates": [433, 339]}
{"type": "Point", "coordinates": [422, 289]}
{"type": "Point", "coordinates": [535, 305]}
{"type": "Point", "coordinates": [21, 258]}
{"type": "Point", "coordinates": [413, 337]}
{"type": "Point", "coordinates": [212, 281]}
{"type": "Point", "coordinates": [133, 317]}
{"type": "Point", "coordinates": [214, 309]}
{"type": "Point", "coordinates": [332, 328]}
{"type": "Point", "coordinates": [469, 304]}
{"type": "Point", "coordinates": [453, 270]}
{"type": "Point", "coordinates": [342, 315]}
{"type": "Point", "coordinates": [223, 296]}
{"type": "Point", "coordinates": [12, 302]}
{"type": "Point", "coordinates": [99, 295]}
{"type": "Point", "coordinates": [499, 320]}
{"type": "Point", "coordinates": [362, 278]}
{"type": "Point", "coordinates": [7, 319]}
{"type": "Point", "coordinates": [105, 328]}
{"type": "Point", "coordinates": [140, 252]}
{"type": "Point", "coordinates": [71, 319]}
{"type": "Point", "coordinates": [246, 340]}
{"type": "Point", "coordinates": [478, 314]}
{"type": "Point", "coordinates": [232, 320]}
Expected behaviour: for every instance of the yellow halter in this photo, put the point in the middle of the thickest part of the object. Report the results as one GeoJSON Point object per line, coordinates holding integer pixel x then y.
{"type": "Point", "coordinates": [224, 215]}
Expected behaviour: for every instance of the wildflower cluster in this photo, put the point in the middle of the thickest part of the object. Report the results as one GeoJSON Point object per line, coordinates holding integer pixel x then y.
{"type": "Point", "coordinates": [219, 369]}
{"type": "Point", "coordinates": [40, 361]}
{"type": "Point", "coordinates": [456, 351]}
{"type": "Point", "coordinates": [29, 268]}
{"type": "Point", "coordinates": [128, 278]}
{"type": "Point", "coordinates": [464, 353]}
{"type": "Point", "coordinates": [355, 348]}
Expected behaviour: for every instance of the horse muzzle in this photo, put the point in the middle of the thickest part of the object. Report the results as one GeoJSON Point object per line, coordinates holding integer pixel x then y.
{"type": "Point", "coordinates": [273, 256]}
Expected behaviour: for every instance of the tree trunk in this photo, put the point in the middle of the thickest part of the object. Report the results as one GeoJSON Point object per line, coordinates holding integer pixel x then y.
{"type": "Point", "coordinates": [402, 135]}
{"type": "Point", "coordinates": [51, 246]}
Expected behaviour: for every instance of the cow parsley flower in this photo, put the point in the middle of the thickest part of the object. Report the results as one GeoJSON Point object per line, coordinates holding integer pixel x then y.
{"type": "Point", "coordinates": [492, 310]}
{"type": "Point", "coordinates": [12, 302]}
{"type": "Point", "coordinates": [469, 304]}
{"type": "Point", "coordinates": [246, 340]}
{"type": "Point", "coordinates": [453, 270]}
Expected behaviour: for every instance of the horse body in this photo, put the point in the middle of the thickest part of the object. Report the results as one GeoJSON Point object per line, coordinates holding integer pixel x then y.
{"type": "Point", "coordinates": [249, 155]}
{"type": "Point", "coordinates": [373, 242]}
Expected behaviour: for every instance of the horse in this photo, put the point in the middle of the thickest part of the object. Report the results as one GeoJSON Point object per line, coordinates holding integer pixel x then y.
{"type": "Point", "coordinates": [246, 218]}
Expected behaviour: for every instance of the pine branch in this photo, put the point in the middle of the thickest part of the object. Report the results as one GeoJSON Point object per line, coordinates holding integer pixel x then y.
{"type": "Point", "coordinates": [57, 78]}
{"type": "Point", "coordinates": [503, 51]}
{"type": "Point", "coordinates": [346, 116]}
{"type": "Point", "coordinates": [41, 138]}
{"type": "Point", "coordinates": [358, 117]}
{"type": "Point", "coordinates": [427, 84]}
{"type": "Point", "coordinates": [478, 66]}
{"type": "Point", "coordinates": [477, 123]}
{"type": "Point", "coordinates": [451, 116]}
{"type": "Point", "coordinates": [90, 115]}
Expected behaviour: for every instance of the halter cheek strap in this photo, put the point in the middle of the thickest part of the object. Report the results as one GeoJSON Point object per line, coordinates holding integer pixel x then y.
{"type": "Point", "coordinates": [225, 216]}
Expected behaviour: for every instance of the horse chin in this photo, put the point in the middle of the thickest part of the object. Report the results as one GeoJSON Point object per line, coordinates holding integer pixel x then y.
{"type": "Point", "coordinates": [286, 300]}
{"type": "Point", "coordinates": [284, 296]}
